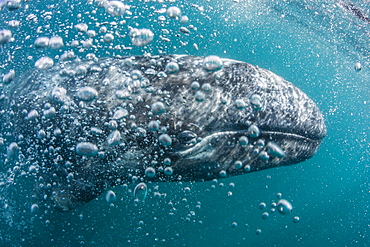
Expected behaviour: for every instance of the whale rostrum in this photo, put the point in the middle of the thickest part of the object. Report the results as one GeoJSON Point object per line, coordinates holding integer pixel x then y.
{"type": "Point", "coordinates": [84, 126]}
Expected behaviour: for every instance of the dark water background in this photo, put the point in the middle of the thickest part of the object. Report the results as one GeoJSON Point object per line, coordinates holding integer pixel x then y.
{"type": "Point", "coordinates": [313, 44]}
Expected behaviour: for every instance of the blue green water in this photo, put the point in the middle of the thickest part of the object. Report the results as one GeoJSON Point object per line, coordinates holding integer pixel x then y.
{"type": "Point", "coordinates": [313, 44]}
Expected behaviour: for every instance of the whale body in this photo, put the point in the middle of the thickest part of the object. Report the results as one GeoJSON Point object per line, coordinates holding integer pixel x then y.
{"type": "Point", "coordinates": [84, 126]}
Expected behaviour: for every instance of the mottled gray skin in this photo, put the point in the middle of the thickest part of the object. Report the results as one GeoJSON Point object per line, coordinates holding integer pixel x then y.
{"type": "Point", "coordinates": [65, 179]}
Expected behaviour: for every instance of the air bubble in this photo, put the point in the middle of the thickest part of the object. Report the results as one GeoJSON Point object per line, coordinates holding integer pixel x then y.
{"type": "Point", "coordinates": [173, 12]}
{"type": "Point", "coordinates": [223, 173]}
{"type": "Point", "coordinates": [284, 207]}
{"type": "Point", "coordinates": [263, 155]}
{"type": "Point", "coordinates": [262, 206]}
{"type": "Point", "coordinates": [150, 172]}
{"type": "Point", "coordinates": [58, 94]}
{"type": "Point", "coordinates": [33, 114]}
{"type": "Point", "coordinates": [141, 37]}
{"type": "Point", "coordinates": [119, 114]}
{"type": "Point", "coordinates": [110, 197]}
{"type": "Point", "coordinates": [358, 67]}
{"type": "Point", "coordinates": [8, 77]}
{"type": "Point", "coordinates": [114, 138]}
{"type": "Point", "coordinates": [140, 192]}
{"type": "Point", "coordinates": [34, 208]}
{"type": "Point", "coordinates": [207, 88]}
{"type": "Point", "coordinates": [5, 36]}
{"type": "Point", "coordinates": [296, 219]}
{"type": "Point", "coordinates": [86, 149]}
{"type": "Point", "coordinates": [153, 126]}
{"type": "Point", "coordinates": [194, 85]}
{"type": "Point", "coordinates": [168, 171]}
{"type": "Point", "coordinates": [239, 104]}
{"type": "Point", "coordinates": [199, 96]}
{"type": "Point", "coordinates": [253, 131]}
{"type": "Point", "coordinates": [165, 140]}
{"type": "Point", "coordinates": [243, 141]}
{"type": "Point", "coordinates": [44, 63]}
{"type": "Point", "coordinates": [238, 164]}
{"type": "Point", "coordinates": [56, 42]}
{"type": "Point", "coordinates": [87, 94]}
{"type": "Point", "coordinates": [212, 63]}
{"type": "Point", "coordinates": [256, 102]}
{"type": "Point", "coordinates": [265, 215]}
{"type": "Point", "coordinates": [116, 8]}
{"type": "Point", "coordinates": [247, 168]}
{"type": "Point", "coordinates": [158, 108]}
{"type": "Point", "coordinates": [274, 150]}
{"type": "Point", "coordinates": [172, 68]}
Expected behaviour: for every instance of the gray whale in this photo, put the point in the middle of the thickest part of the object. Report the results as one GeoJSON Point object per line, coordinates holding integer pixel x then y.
{"type": "Point", "coordinates": [84, 126]}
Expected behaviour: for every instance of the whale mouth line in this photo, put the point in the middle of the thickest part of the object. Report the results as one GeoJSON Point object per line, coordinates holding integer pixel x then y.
{"type": "Point", "coordinates": [202, 146]}
{"type": "Point", "coordinates": [288, 134]}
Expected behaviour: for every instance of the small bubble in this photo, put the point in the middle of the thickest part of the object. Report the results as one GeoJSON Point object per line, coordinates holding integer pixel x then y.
{"type": "Point", "coordinates": [5, 36]}
{"type": "Point", "coordinates": [153, 126]}
{"type": "Point", "coordinates": [167, 161]}
{"type": "Point", "coordinates": [108, 38]}
{"type": "Point", "coordinates": [207, 88]}
{"type": "Point", "coordinates": [284, 207]}
{"type": "Point", "coordinates": [223, 173]}
{"type": "Point", "coordinates": [247, 168]}
{"type": "Point", "coordinates": [234, 225]}
{"type": "Point", "coordinates": [358, 67]}
{"type": "Point", "coordinates": [258, 231]}
{"type": "Point", "coordinates": [150, 172]}
{"type": "Point", "coordinates": [253, 131]}
{"type": "Point", "coordinates": [265, 215]}
{"type": "Point", "coordinates": [262, 206]}
{"type": "Point", "coordinates": [110, 197]}
{"type": "Point", "coordinates": [44, 63]}
{"type": "Point", "coordinates": [165, 140]}
{"type": "Point", "coordinates": [115, 8]}
{"type": "Point", "coordinates": [238, 164]}
{"type": "Point", "coordinates": [243, 141]}
{"type": "Point", "coordinates": [87, 94]}
{"type": "Point", "coordinates": [86, 149]}
{"type": "Point", "coordinates": [158, 108]}
{"type": "Point", "coordinates": [173, 12]}
{"type": "Point", "coordinates": [34, 208]}
{"type": "Point", "coordinates": [212, 63]}
{"type": "Point", "coordinates": [140, 192]}
{"type": "Point", "coordinates": [275, 150]}
{"type": "Point", "coordinates": [56, 42]}
{"type": "Point", "coordinates": [114, 138]}
{"type": "Point", "coordinates": [136, 74]}
{"type": "Point", "coordinates": [256, 102]}
{"type": "Point", "coordinates": [199, 96]}
{"type": "Point", "coordinates": [168, 171]}
{"type": "Point", "coordinates": [41, 42]}
{"type": "Point", "coordinates": [141, 37]}
{"type": "Point", "coordinates": [172, 68]}
{"type": "Point", "coordinates": [263, 155]}
{"type": "Point", "coordinates": [8, 77]}
{"type": "Point", "coordinates": [296, 219]}
{"type": "Point", "coordinates": [239, 104]}
{"type": "Point", "coordinates": [194, 85]}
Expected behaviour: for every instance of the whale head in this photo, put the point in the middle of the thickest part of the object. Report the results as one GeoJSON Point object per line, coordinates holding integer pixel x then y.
{"type": "Point", "coordinates": [84, 126]}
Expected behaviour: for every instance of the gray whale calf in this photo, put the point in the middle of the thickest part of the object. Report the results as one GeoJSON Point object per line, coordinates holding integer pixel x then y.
{"type": "Point", "coordinates": [84, 126]}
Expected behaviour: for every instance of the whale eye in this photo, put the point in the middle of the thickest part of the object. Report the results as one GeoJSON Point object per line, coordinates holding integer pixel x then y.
{"type": "Point", "coordinates": [187, 137]}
